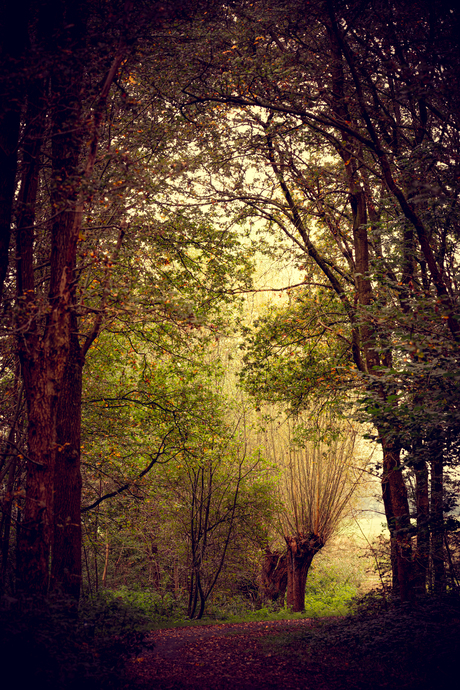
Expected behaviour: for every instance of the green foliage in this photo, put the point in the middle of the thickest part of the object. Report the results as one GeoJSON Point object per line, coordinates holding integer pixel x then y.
{"type": "Point", "coordinates": [155, 606]}
{"type": "Point", "coordinates": [333, 582]}
{"type": "Point", "coordinates": [333, 601]}
{"type": "Point", "coordinates": [236, 612]}
{"type": "Point", "coordinates": [299, 353]}
{"type": "Point", "coordinates": [421, 387]}
{"type": "Point", "coordinates": [111, 613]}
{"type": "Point", "coordinates": [207, 498]}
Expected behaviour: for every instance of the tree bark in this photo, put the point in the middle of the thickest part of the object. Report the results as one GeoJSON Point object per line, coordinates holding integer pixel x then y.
{"type": "Point", "coordinates": [437, 525]}
{"type": "Point", "coordinates": [40, 374]}
{"type": "Point", "coordinates": [422, 554]}
{"type": "Point", "coordinates": [5, 525]}
{"type": "Point", "coordinates": [66, 562]}
{"type": "Point", "coordinates": [301, 550]}
{"type": "Point", "coordinates": [44, 341]}
{"type": "Point", "coordinates": [394, 492]}
{"type": "Point", "coordinates": [193, 594]}
{"type": "Point", "coordinates": [273, 577]}
{"type": "Point", "coordinates": [106, 562]}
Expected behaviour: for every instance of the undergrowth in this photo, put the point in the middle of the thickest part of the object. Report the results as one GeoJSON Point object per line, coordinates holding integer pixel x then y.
{"type": "Point", "coordinates": [331, 589]}
{"type": "Point", "coordinates": [51, 645]}
{"type": "Point", "coordinates": [409, 647]}
{"type": "Point", "coordinates": [414, 648]}
{"type": "Point", "coordinates": [46, 646]}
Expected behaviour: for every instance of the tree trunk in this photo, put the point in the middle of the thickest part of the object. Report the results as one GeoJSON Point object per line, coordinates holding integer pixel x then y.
{"type": "Point", "coordinates": [300, 553]}
{"type": "Point", "coordinates": [396, 504]}
{"type": "Point", "coordinates": [66, 561]}
{"type": "Point", "coordinates": [203, 598]}
{"type": "Point", "coordinates": [176, 580]}
{"type": "Point", "coordinates": [422, 555]}
{"type": "Point", "coordinates": [41, 371]}
{"type": "Point", "coordinates": [273, 578]}
{"type": "Point", "coordinates": [44, 362]}
{"type": "Point", "coordinates": [47, 333]}
{"type": "Point", "coordinates": [5, 525]}
{"type": "Point", "coordinates": [193, 595]}
{"type": "Point", "coordinates": [106, 561]}
{"type": "Point", "coordinates": [454, 582]}
{"type": "Point", "coordinates": [437, 525]}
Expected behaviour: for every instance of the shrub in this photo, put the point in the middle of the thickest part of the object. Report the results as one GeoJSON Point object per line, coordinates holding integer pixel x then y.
{"type": "Point", "coordinates": [332, 584]}
{"type": "Point", "coordinates": [403, 647]}
{"type": "Point", "coordinates": [50, 644]}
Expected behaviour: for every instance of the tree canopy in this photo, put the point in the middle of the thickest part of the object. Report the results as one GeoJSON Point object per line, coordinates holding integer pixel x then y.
{"type": "Point", "coordinates": [148, 151]}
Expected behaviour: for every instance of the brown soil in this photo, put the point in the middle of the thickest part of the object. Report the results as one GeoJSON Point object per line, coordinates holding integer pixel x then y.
{"type": "Point", "coordinates": [237, 656]}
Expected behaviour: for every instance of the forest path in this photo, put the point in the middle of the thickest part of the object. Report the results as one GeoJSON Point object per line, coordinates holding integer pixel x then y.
{"type": "Point", "coordinates": [220, 657]}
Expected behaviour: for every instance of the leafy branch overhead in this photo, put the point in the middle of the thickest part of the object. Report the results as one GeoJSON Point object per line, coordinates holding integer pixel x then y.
{"type": "Point", "coordinates": [155, 160]}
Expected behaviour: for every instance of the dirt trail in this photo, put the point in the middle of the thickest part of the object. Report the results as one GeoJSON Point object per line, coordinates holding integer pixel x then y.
{"type": "Point", "coordinates": [169, 641]}
{"type": "Point", "coordinates": [395, 650]}
{"type": "Point", "coordinates": [223, 657]}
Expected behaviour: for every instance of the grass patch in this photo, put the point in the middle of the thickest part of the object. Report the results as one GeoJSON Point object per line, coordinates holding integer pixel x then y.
{"type": "Point", "coordinates": [335, 601]}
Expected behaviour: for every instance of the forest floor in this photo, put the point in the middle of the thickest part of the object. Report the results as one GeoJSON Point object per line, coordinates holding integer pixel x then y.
{"type": "Point", "coordinates": [403, 648]}
{"type": "Point", "coordinates": [263, 655]}
{"type": "Point", "coordinates": [224, 656]}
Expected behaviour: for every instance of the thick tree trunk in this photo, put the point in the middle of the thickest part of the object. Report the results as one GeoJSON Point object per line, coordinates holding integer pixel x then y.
{"type": "Point", "coordinates": [44, 348]}
{"type": "Point", "coordinates": [273, 577]}
{"type": "Point", "coordinates": [66, 560]}
{"type": "Point", "coordinates": [396, 504]}
{"type": "Point", "coordinates": [41, 369]}
{"type": "Point", "coordinates": [301, 550]}
{"type": "Point", "coordinates": [40, 380]}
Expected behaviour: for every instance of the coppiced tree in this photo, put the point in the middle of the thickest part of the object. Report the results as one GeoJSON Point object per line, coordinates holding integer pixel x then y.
{"type": "Point", "coordinates": [350, 109]}
{"type": "Point", "coordinates": [335, 123]}
{"type": "Point", "coordinates": [320, 474]}
{"type": "Point", "coordinates": [319, 482]}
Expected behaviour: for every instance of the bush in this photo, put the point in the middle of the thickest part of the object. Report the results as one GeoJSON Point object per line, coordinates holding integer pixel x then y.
{"type": "Point", "coordinates": [412, 648]}
{"type": "Point", "coordinates": [51, 644]}
{"type": "Point", "coordinates": [332, 585]}
{"type": "Point", "coordinates": [148, 603]}
{"type": "Point", "coordinates": [334, 601]}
